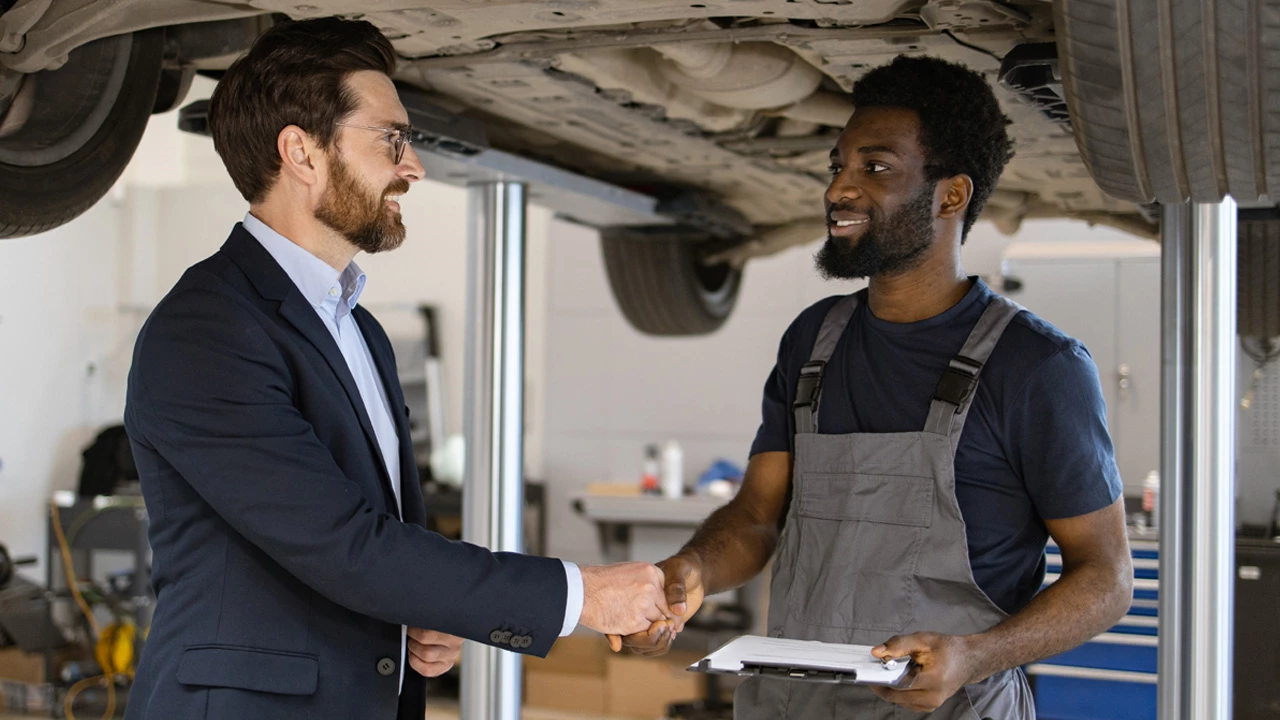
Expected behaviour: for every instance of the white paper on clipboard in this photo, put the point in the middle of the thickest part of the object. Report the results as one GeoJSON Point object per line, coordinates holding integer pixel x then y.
{"type": "Point", "coordinates": [804, 660]}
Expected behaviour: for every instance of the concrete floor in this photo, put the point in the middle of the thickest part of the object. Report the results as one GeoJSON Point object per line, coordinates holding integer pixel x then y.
{"type": "Point", "coordinates": [440, 712]}
{"type": "Point", "coordinates": [434, 714]}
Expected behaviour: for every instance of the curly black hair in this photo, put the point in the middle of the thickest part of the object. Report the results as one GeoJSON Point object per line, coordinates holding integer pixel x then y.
{"type": "Point", "coordinates": [962, 128]}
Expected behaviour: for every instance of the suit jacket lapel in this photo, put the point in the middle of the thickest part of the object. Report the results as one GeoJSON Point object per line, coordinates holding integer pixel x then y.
{"type": "Point", "coordinates": [411, 503]}
{"type": "Point", "coordinates": [274, 284]}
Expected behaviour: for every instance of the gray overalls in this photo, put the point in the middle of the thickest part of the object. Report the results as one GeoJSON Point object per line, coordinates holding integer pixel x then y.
{"type": "Point", "coordinates": [874, 545]}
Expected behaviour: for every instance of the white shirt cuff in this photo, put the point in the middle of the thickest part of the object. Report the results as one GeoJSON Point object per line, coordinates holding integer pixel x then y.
{"type": "Point", "coordinates": [574, 598]}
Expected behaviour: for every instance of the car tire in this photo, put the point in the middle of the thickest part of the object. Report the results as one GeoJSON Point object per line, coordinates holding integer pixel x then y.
{"type": "Point", "coordinates": [1174, 100]}
{"type": "Point", "coordinates": [86, 120]}
{"type": "Point", "coordinates": [661, 285]}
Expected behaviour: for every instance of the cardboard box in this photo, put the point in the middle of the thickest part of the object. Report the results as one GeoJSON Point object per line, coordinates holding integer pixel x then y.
{"type": "Point", "coordinates": [578, 654]}
{"type": "Point", "coordinates": [23, 686]}
{"type": "Point", "coordinates": [581, 675]}
{"type": "Point", "coordinates": [565, 691]}
{"type": "Point", "coordinates": [19, 666]}
{"type": "Point", "coordinates": [643, 687]}
{"type": "Point", "coordinates": [615, 489]}
{"type": "Point", "coordinates": [570, 678]}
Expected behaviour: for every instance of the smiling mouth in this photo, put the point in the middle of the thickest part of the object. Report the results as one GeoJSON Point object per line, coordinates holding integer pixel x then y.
{"type": "Point", "coordinates": [846, 228]}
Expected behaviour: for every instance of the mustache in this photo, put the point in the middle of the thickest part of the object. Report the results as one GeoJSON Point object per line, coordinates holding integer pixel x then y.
{"type": "Point", "coordinates": [399, 187]}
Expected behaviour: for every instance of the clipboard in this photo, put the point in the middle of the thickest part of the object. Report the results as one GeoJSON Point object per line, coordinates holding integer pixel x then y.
{"type": "Point", "coordinates": [805, 661]}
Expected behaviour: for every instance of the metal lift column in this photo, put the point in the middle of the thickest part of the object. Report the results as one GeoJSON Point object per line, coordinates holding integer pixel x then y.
{"type": "Point", "coordinates": [493, 489]}
{"type": "Point", "coordinates": [1197, 528]}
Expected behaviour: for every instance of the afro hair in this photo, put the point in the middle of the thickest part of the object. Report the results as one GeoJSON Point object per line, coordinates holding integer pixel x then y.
{"type": "Point", "coordinates": [962, 128]}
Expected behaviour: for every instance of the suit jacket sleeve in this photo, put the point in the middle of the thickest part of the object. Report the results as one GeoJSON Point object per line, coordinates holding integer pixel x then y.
{"type": "Point", "coordinates": [213, 395]}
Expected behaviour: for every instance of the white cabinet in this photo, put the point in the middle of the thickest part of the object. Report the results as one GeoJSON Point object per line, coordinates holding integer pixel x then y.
{"type": "Point", "coordinates": [1112, 305]}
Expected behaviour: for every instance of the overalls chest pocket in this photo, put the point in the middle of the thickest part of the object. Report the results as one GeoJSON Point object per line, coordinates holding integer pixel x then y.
{"type": "Point", "coordinates": [859, 537]}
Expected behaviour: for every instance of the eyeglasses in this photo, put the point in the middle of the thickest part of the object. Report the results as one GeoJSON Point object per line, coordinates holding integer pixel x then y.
{"type": "Point", "coordinates": [399, 137]}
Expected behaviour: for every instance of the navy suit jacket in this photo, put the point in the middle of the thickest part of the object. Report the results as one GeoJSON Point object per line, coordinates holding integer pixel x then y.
{"type": "Point", "coordinates": [281, 570]}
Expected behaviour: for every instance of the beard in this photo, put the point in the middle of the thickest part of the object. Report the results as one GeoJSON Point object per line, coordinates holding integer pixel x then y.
{"type": "Point", "coordinates": [888, 246]}
{"type": "Point", "coordinates": [364, 220]}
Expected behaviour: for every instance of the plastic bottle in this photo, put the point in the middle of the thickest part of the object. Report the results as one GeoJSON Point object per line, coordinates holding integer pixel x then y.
{"type": "Point", "coordinates": [672, 470]}
{"type": "Point", "coordinates": [652, 469]}
{"type": "Point", "coordinates": [1151, 498]}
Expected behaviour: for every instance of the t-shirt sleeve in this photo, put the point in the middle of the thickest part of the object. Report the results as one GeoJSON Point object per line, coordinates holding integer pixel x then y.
{"type": "Point", "coordinates": [1059, 443]}
{"type": "Point", "coordinates": [775, 433]}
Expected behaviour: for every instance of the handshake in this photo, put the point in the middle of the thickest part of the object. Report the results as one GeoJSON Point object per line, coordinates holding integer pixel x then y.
{"type": "Point", "coordinates": [639, 605]}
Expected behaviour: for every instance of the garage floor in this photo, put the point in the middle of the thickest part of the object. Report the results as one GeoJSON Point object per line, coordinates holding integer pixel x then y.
{"type": "Point", "coordinates": [444, 712]}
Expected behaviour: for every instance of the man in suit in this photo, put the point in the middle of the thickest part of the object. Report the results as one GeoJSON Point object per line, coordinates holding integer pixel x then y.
{"type": "Point", "coordinates": [293, 573]}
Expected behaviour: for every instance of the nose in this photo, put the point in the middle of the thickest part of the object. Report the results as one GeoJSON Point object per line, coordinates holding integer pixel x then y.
{"type": "Point", "coordinates": [410, 167]}
{"type": "Point", "coordinates": [843, 187]}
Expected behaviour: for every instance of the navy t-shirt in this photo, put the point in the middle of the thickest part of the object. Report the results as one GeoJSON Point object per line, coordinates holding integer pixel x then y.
{"type": "Point", "coordinates": [1035, 445]}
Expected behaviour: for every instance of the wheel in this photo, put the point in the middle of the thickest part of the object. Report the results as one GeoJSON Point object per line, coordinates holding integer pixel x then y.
{"type": "Point", "coordinates": [78, 128]}
{"type": "Point", "coordinates": [661, 285]}
{"type": "Point", "coordinates": [1173, 100]}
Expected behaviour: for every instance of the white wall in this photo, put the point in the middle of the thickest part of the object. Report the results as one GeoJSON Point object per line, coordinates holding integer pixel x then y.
{"type": "Point", "coordinates": [60, 363]}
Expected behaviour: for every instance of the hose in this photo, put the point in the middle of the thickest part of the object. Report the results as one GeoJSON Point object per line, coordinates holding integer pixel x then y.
{"type": "Point", "coordinates": [107, 657]}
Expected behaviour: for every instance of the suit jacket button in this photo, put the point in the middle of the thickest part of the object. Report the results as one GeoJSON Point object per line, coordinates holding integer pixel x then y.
{"type": "Point", "coordinates": [386, 667]}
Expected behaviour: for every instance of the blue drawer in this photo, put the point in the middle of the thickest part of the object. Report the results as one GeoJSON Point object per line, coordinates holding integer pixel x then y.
{"type": "Point", "coordinates": [1108, 656]}
{"type": "Point", "coordinates": [1062, 698]}
{"type": "Point", "coordinates": [1132, 626]}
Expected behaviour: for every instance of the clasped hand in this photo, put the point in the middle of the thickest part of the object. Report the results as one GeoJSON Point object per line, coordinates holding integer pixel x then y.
{"type": "Point", "coordinates": [683, 594]}
{"type": "Point", "coordinates": [623, 599]}
{"type": "Point", "coordinates": [617, 600]}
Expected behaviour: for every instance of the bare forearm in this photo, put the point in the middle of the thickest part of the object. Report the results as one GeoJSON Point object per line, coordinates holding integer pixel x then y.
{"type": "Point", "coordinates": [1084, 602]}
{"type": "Point", "coordinates": [732, 546]}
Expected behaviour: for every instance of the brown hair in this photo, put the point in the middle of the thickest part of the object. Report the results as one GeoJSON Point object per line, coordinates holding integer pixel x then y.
{"type": "Point", "coordinates": [295, 74]}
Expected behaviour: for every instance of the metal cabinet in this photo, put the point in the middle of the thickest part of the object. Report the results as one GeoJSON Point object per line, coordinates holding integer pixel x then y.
{"type": "Point", "coordinates": [1257, 634]}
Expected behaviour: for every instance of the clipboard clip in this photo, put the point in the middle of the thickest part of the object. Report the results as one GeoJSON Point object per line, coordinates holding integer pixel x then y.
{"type": "Point", "coordinates": [894, 663]}
{"type": "Point", "coordinates": [838, 677]}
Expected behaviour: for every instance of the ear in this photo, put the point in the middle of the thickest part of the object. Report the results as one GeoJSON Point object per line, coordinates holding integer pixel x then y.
{"type": "Point", "coordinates": [956, 193]}
{"type": "Point", "coordinates": [300, 156]}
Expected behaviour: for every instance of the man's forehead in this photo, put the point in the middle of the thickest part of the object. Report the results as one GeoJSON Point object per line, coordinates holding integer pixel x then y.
{"type": "Point", "coordinates": [377, 100]}
{"type": "Point", "coordinates": [878, 129]}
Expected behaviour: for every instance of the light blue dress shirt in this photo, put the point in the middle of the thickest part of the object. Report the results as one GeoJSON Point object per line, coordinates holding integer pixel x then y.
{"type": "Point", "coordinates": [334, 295]}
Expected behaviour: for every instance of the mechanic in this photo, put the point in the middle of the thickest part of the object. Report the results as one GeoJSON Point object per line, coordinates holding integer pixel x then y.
{"type": "Point", "coordinates": [921, 441]}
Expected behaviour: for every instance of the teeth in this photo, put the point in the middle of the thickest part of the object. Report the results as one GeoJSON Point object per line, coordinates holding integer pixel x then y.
{"type": "Point", "coordinates": [847, 223]}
